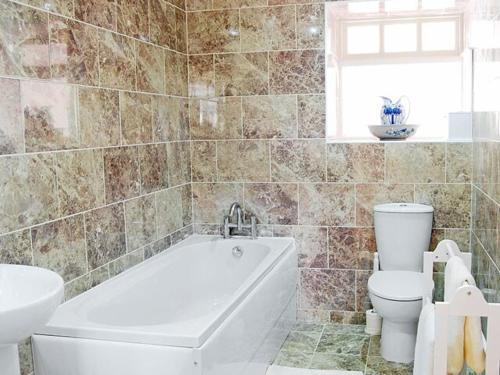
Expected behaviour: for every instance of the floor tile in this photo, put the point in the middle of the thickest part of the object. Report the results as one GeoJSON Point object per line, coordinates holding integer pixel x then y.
{"type": "Point", "coordinates": [356, 329]}
{"type": "Point", "coordinates": [301, 342]}
{"type": "Point", "coordinates": [379, 366]}
{"type": "Point", "coordinates": [374, 346]}
{"type": "Point", "coordinates": [308, 327]}
{"type": "Point", "coordinates": [328, 361]}
{"type": "Point", "coordinates": [343, 344]}
{"type": "Point", "coordinates": [293, 359]}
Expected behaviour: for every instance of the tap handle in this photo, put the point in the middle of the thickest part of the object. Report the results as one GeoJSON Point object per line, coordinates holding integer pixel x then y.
{"type": "Point", "coordinates": [226, 227]}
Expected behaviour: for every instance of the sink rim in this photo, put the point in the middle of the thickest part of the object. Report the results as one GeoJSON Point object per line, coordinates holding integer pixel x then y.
{"type": "Point", "coordinates": [54, 292]}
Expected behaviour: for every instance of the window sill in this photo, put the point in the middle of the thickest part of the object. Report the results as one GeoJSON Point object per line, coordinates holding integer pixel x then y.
{"type": "Point", "coordinates": [408, 140]}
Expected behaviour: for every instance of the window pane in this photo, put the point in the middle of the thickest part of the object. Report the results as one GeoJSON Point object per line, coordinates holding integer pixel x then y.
{"type": "Point", "coordinates": [363, 6]}
{"type": "Point", "coordinates": [437, 4]}
{"type": "Point", "coordinates": [400, 5]}
{"type": "Point", "coordinates": [400, 37]}
{"type": "Point", "coordinates": [363, 39]}
{"type": "Point", "coordinates": [439, 36]}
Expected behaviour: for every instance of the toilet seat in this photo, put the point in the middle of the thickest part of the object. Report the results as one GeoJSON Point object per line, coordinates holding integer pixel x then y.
{"type": "Point", "coordinates": [397, 285]}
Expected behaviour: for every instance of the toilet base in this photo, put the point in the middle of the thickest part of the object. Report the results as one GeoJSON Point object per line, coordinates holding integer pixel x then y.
{"type": "Point", "coordinates": [398, 341]}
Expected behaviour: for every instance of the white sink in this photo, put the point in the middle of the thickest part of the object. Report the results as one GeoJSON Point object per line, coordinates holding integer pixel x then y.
{"type": "Point", "coordinates": [28, 298]}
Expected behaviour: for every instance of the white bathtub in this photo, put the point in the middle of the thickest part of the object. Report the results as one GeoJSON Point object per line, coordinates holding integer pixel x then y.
{"type": "Point", "coordinates": [193, 309]}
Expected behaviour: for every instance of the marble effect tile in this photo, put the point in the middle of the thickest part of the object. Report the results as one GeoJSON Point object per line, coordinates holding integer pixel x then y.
{"type": "Point", "coordinates": [132, 18]}
{"type": "Point", "coordinates": [140, 219]}
{"type": "Point", "coordinates": [326, 204]}
{"type": "Point", "coordinates": [73, 56]}
{"type": "Point", "coordinates": [328, 361]}
{"type": "Point", "coordinates": [15, 248]}
{"type": "Point", "coordinates": [80, 180]}
{"type": "Point", "coordinates": [11, 129]}
{"type": "Point", "coordinates": [204, 168]}
{"type": "Point", "coordinates": [150, 68]}
{"type": "Point", "coordinates": [50, 116]}
{"type": "Point", "coordinates": [170, 119]}
{"type": "Point", "coordinates": [297, 72]}
{"type": "Point", "coordinates": [213, 31]}
{"type": "Point", "coordinates": [272, 203]}
{"type": "Point", "coordinates": [264, 29]}
{"type": "Point", "coordinates": [60, 247]}
{"type": "Point", "coordinates": [179, 163]}
{"type": "Point", "coordinates": [298, 160]}
{"type": "Point", "coordinates": [98, 114]}
{"type": "Point", "coordinates": [97, 12]}
{"type": "Point", "coordinates": [176, 73]}
{"type": "Point", "coordinates": [424, 162]}
{"type": "Point", "coordinates": [310, 26]}
{"type": "Point", "coordinates": [136, 117]}
{"type": "Point", "coordinates": [105, 235]}
{"type": "Point", "coordinates": [311, 243]}
{"type": "Point", "coordinates": [311, 116]}
{"type": "Point", "coordinates": [244, 161]}
{"type": "Point", "coordinates": [351, 248]}
{"type": "Point", "coordinates": [170, 208]}
{"type": "Point", "coordinates": [116, 61]}
{"type": "Point", "coordinates": [153, 166]}
{"type": "Point", "coordinates": [216, 118]}
{"type": "Point", "coordinates": [27, 29]}
{"type": "Point", "coordinates": [458, 162]}
{"type": "Point", "coordinates": [201, 76]}
{"type": "Point", "coordinates": [269, 116]}
{"type": "Point", "coordinates": [327, 289]}
{"type": "Point", "coordinates": [241, 74]}
{"type": "Point", "coordinates": [31, 197]}
{"type": "Point", "coordinates": [301, 341]}
{"type": "Point", "coordinates": [212, 201]}
{"type": "Point", "coordinates": [162, 23]}
{"type": "Point", "coordinates": [356, 162]}
{"type": "Point", "coordinates": [121, 173]}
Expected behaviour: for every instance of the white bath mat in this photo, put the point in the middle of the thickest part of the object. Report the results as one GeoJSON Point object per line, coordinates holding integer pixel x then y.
{"type": "Point", "coordinates": [281, 370]}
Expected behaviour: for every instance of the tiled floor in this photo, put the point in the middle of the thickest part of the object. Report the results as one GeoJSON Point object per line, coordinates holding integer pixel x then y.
{"type": "Point", "coordinates": [336, 347]}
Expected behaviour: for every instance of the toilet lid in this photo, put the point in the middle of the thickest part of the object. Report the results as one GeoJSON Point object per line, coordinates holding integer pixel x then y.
{"type": "Point", "coordinates": [397, 285]}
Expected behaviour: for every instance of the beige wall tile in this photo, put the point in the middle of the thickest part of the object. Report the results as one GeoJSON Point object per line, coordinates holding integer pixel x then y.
{"type": "Point", "coordinates": [15, 248]}
{"type": "Point", "coordinates": [265, 29]}
{"type": "Point", "coordinates": [201, 76]}
{"type": "Point", "coordinates": [356, 162]}
{"type": "Point", "coordinates": [132, 18]}
{"type": "Point", "coordinates": [73, 52]}
{"type": "Point", "coordinates": [80, 180]}
{"type": "Point", "coordinates": [170, 210]}
{"type": "Point", "coordinates": [298, 160]}
{"type": "Point", "coordinates": [140, 219]}
{"type": "Point", "coordinates": [212, 201]}
{"type": "Point", "coordinates": [162, 23]}
{"type": "Point", "coordinates": [213, 31]}
{"type": "Point", "coordinates": [311, 116]}
{"type": "Point", "coordinates": [310, 26]}
{"type": "Point", "coordinates": [326, 204]}
{"type": "Point", "coordinates": [60, 246]}
{"type": "Point", "coordinates": [105, 235]}
{"type": "Point", "coordinates": [136, 117]}
{"type": "Point", "coordinates": [269, 116]}
{"type": "Point", "coordinates": [153, 166]}
{"type": "Point", "coordinates": [150, 68]}
{"type": "Point", "coordinates": [458, 162]}
{"type": "Point", "coordinates": [116, 61]}
{"type": "Point", "coordinates": [272, 203]}
{"type": "Point", "coordinates": [179, 163]}
{"type": "Point", "coordinates": [98, 115]}
{"type": "Point", "coordinates": [243, 161]}
{"type": "Point", "coordinates": [11, 126]}
{"type": "Point", "coordinates": [241, 74]}
{"type": "Point", "coordinates": [216, 118]}
{"type": "Point", "coordinates": [170, 119]}
{"type": "Point", "coordinates": [27, 30]}
{"type": "Point", "coordinates": [415, 162]}
{"type": "Point", "coordinates": [121, 173]}
{"type": "Point", "coordinates": [97, 12]}
{"type": "Point", "coordinates": [204, 158]}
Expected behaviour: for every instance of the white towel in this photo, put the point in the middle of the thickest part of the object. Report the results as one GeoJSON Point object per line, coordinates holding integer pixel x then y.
{"type": "Point", "coordinates": [424, 348]}
{"type": "Point", "coordinates": [464, 333]}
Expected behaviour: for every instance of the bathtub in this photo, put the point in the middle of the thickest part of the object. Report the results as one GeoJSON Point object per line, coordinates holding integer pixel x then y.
{"type": "Point", "coordinates": [198, 308]}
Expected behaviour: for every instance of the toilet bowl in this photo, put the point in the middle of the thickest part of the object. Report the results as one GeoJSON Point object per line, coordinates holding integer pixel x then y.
{"type": "Point", "coordinates": [397, 297]}
{"type": "Point", "coordinates": [402, 233]}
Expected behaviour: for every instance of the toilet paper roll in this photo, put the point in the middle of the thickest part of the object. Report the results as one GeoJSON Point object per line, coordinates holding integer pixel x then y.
{"type": "Point", "coordinates": [373, 323]}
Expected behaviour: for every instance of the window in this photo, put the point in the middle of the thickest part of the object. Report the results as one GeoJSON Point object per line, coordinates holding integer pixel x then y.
{"type": "Point", "coordinates": [396, 48]}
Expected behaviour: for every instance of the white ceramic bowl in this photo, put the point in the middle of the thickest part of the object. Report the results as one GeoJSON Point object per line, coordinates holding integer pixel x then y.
{"type": "Point", "coordinates": [393, 131]}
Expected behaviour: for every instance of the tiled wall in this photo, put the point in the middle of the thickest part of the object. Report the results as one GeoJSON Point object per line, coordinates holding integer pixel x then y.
{"type": "Point", "coordinates": [256, 87]}
{"type": "Point", "coordinates": [95, 170]}
{"type": "Point", "coordinates": [486, 158]}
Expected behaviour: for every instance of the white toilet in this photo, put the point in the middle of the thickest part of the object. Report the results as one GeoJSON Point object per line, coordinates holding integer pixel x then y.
{"type": "Point", "coordinates": [403, 233]}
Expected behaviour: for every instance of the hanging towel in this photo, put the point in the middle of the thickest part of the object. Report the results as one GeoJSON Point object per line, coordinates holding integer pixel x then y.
{"type": "Point", "coordinates": [424, 348]}
{"type": "Point", "coordinates": [465, 342]}
{"type": "Point", "coordinates": [455, 275]}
